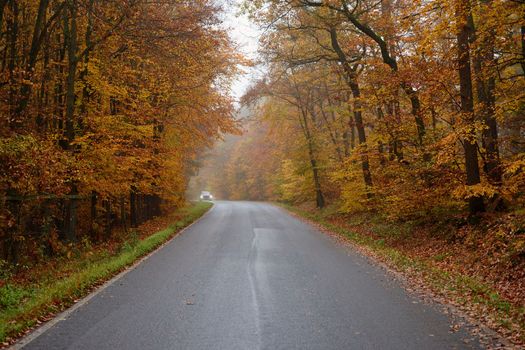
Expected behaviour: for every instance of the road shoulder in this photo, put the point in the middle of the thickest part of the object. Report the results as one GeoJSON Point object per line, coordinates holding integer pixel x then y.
{"type": "Point", "coordinates": [452, 292]}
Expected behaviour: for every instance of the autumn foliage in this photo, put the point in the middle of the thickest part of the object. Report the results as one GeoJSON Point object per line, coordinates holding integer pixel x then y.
{"type": "Point", "coordinates": [411, 108]}
{"type": "Point", "coordinates": [104, 107]}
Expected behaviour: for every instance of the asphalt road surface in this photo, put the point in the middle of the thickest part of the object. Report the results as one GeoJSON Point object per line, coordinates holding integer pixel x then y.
{"type": "Point", "coordinates": [250, 276]}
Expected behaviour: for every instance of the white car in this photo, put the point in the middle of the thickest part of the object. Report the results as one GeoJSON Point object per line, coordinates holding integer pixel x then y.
{"type": "Point", "coordinates": [206, 196]}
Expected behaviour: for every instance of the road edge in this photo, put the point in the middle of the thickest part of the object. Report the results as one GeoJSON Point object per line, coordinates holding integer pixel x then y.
{"type": "Point", "coordinates": [488, 337]}
{"type": "Point", "coordinates": [41, 329]}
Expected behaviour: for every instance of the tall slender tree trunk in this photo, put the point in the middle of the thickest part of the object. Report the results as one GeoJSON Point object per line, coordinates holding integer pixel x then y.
{"type": "Point", "coordinates": [58, 90]}
{"type": "Point", "coordinates": [351, 124]}
{"type": "Point", "coordinates": [393, 104]}
{"type": "Point", "coordinates": [380, 145]}
{"type": "Point", "coordinates": [396, 144]}
{"type": "Point", "coordinates": [94, 200]}
{"type": "Point", "coordinates": [485, 87]}
{"type": "Point", "coordinates": [522, 29]}
{"type": "Point", "coordinates": [476, 204]}
{"type": "Point", "coordinates": [36, 43]}
{"type": "Point", "coordinates": [14, 120]}
{"type": "Point", "coordinates": [319, 197]}
{"type": "Point", "coordinates": [334, 137]}
{"type": "Point", "coordinates": [492, 164]}
{"type": "Point", "coordinates": [390, 60]}
{"type": "Point", "coordinates": [3, 4]}
{"type": "Point", "coordinates": [133, 207]}
{"type": "Point", "coordinates": [351, 80]}
{"type": "Point", "coordinates": [70, 32]}
{"type": "Point", "coordinates": [358, 118]}
{"type": "Point", "coordinates": [70, 224]}
{"type": "Point", "coordinates": [42, 118]}
{"type": "Point", "coordinates": [85, 70]}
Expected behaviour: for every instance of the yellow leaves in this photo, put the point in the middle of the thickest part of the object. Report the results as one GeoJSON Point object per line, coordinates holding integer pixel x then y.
{"type": "Point", "coordinates": [447, 149]}
{"type": "Point", "coordinates": [516, 167]}
{"type": "Point", "coordinates": [31, 165]}
{"type": "Point", "coordinates": [519, 246]}
{"type": "Point", "coordinates": [294, 186]}
{"type": "Point", "coordinates": [353, 194]}
{"type": "Point", "coordinates": [145, 130]}
{"type": "Point", "coordinates": [514, 175]}
{"type": "Point", "coordinates": [464, 192]}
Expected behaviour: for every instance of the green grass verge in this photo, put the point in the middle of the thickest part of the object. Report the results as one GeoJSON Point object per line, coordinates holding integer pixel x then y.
{"type": "Point", "coordinates": [468, 292]}
{"type": "Point", "coordinates": [21, 306]}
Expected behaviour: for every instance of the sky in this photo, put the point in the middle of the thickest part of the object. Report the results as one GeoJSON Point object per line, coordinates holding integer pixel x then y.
{"type": "Point", "coordinates": [245, 33]}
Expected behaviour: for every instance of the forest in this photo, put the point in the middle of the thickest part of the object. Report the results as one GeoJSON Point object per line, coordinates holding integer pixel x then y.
{"type": "Point", "coordinates": [400, 122]}
{"type": "Point", "coordinates": [105, 106]}
{"type": "Point", "coordinates": [407, 107]}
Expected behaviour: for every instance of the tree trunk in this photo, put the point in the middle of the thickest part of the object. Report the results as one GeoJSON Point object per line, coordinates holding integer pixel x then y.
{"type": "Point", "coordinates": [139, 209]}
{"type": "Point", "coordinates": [133, 207]}
{"type": "Point", "coordinates": [109, 221]}
{"type": "Point", "coordinates": [85, 71]}
{"type": "Point", "coordinates": [94, 199]}
{"type": "Point", "coordinates": [380, 145]}
{"type": "Point", "coordinates": [358, 118]}
{"type": "Point", "coordinates": [351, 123]}
{"type": "Point", "coordinates": [390, 60]}
{"type": "Point", "coordinates": [319, 197]}
{"type": "Point", "coordinates": [476, 204]}
{"type": "Point", "coordinates": [485, 87]}
{"type": "Point", "coordinates": [123, 216]}
{"type": "Point", "coordinates": [36, 43]}
{"type": "Point", "coordinates": [3, 4]}
{"type": "Point", "coordinates": [71, 215]}
{"type": "Point", "coordinates": [523, 49]}
{"type": "Point", "coordinates": [70, 32]}
{"type": "Point", "coordinates": [397, 146]}
{"type": "Point", "coordinates": [351, 80]}
{"type": "Point", "coordinates": [334, 137]}
{"type": "Point", "coordinates": [14, 120]}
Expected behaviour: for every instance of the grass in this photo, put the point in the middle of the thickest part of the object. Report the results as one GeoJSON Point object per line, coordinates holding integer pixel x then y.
{"type": "Point", "coordinates": [23, 306]}
{"type": "Point", "coordinates": [467, 292]}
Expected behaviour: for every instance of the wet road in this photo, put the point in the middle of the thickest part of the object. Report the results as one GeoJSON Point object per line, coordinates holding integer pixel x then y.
{"type": "Point", "coordinates": [250, 276]}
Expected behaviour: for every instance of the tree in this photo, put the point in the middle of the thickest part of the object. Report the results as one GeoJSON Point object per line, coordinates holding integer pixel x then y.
{"type": "Point", "coordinates": [388, 64]}
{"type": "Point", "coordinates": [106, 103]}
{"type": "Point", "coordinates": [476, 204]}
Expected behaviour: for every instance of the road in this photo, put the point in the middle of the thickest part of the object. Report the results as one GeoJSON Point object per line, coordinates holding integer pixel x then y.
{"type": "Point", "coordinates": [250, 276]}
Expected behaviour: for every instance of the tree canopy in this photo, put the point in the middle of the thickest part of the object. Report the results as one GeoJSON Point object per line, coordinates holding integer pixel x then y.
{"type": "Point", "coordinates": [106, 98]}
{"type": "Point", "coordinates": [403, 106]}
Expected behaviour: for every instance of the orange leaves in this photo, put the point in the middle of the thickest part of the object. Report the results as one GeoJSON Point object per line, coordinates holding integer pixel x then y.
{"type": "Point", "coordinates": [150, 94]}
{"type": "Point", "coordinates": [31, 166]}
{"type": "Point", "coordinates": [308, 102]}
{"type": "Point", "coordinates": [168, 107]}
